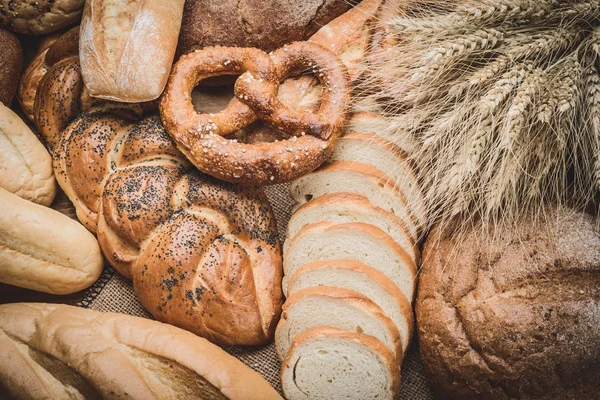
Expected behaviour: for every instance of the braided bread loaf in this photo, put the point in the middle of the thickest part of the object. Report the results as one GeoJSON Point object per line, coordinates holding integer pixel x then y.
{"type": "Point", "coordinates": [203, 255]}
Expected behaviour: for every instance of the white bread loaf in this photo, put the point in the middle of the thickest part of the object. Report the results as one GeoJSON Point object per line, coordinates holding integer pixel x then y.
{"type": "Point", "coordinates": [365, 243]}
{"type": "Point", "coordinates": [25, 165]}
{"type": "Point", "coordinates": [349, 207]}
{"type": "Point", "coordinates": [372, 122]}
{"type": "Point", "coordinates": [358, 178]}
{"type": "Point", "coordinates": [361, 278]}
{"type": "Point", "coordinates": [44, 250]}
{"type": "Point", "coordinates": [368, 148]}
{"type": "Point", "coordinates": [336, 308]}
{"type": "Point", "coordinates": [55, 351]}
{"type": "Point", "coordinates": [126, 48]}
{"type": "Point", "coordinates": [326, 363]}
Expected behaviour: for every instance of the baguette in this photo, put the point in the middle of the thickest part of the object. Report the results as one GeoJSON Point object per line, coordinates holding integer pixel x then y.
{"type": "Point", "coordinates": [25, 165]}
{"type": "Point", "coordinates": [126, 49]}
{"type": "Point", "coordinates": [44, 250]}
{"type": "Point", "coordinates": [57, 352]}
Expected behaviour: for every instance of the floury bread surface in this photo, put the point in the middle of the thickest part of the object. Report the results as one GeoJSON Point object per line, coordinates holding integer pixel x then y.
{"type": "Point", "coordinates": [25, 165]}
{"type": "Point", "coordinates": [61, 352]}
{"type": "Point", "coordinates": [44, 250]}
{"type": "Point", "coordinates": [127, 47]}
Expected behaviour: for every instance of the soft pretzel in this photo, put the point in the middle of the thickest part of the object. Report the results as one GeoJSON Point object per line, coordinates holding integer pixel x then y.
{"type": "Point", "coordinates": [203, 254]}
{"type": "Point", "coordinates": [312, 135]}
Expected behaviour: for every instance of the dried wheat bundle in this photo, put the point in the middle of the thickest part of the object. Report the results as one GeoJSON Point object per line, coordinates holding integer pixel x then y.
{"type": "Point", "coordinates": [502, 97]}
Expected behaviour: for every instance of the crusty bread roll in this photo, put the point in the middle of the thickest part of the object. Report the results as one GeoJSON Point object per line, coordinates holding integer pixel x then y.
{"type": "Point", "coordinates": [127, 47]}
{"type": "Point", "coordinates": [39, 17]}
{"type": "Point", "coordinates": [11, 61]}
{"type": "Point", "coordinates": [61, 352]}
{"type": "Point", "coordinates": [25, 165]}
{"type": "Point", "coordinates": [513, 312]}
{"type": "Point", "coordinates": [44, 250]}
{"type": "Point", "coordinates": [252, 23]}
{"type": "Point", "coordinates": [328, 363]}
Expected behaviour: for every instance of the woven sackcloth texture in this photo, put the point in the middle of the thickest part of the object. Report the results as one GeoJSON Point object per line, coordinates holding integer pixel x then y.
{"type": "Point", "coordinates": [113, 293]}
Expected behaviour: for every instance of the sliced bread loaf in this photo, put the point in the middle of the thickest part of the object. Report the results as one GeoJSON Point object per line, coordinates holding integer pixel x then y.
{"type": "Point", "coordinates": [358, 178]}
{"type": "Point", "coordinates": [337, 308]}
{"type": "Point", "coordinates": [326, 363]}
{"type": "Point", "coordinates": [366, 243]}
{"type": "Point", "coordinates": [372, 122]}
{"type": "Point", "coordinates": [359, 277]}
{"type": "Point", "coordinates": [368, 148]}
{"type": "Point", "coordinates": [349, 207]}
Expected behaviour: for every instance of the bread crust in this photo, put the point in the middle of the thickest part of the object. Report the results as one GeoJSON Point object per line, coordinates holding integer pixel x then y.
{"type": "Point", "coordinates": [44, 250]}
{"type": "Point", "coordinates": [127, 48]}
{"type": "Point", "coordinates": [113, 357]}
{"type": "Point", "coordinates": [513, 312]}
{"type": "Point", "coordinates": [39, 17]}
{"type": "Point", "coordinates": [11, 62]}
{"type": "Point", "coordinates": [25, 165]}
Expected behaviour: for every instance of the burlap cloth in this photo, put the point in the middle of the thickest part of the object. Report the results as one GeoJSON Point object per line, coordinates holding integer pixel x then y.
{"type": "Point", "coordinates": [113, 293]}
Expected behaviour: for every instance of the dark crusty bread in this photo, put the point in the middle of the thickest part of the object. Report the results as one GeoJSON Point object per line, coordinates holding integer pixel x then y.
{"type": "Point", "coordinates": [517, 316]}
{"type": "Point", "coordinates": [39, 17]}
{"type": "Point", "coordinates": [254, 23]}
{"type": "Point", "coordinates": [51, 351]}
{"type": "Point", "coordinates": [11, 61]}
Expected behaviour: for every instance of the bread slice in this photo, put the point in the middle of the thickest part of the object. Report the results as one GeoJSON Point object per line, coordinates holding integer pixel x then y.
{"type": "Point", "coordinates": [359, 277]}
{"type": "Point", "coordinates": [368, 244]}
{"type": "Point", "coordinates": [327, 363]}
{"type": "Point", "coordinates": [372, 122]}
{"type": "Point", "coordinates": [358, 178]}
{"type": "Point", "coordinates": [337, 308]}
{"type": "Point", "coordinates": [349, 207]}
{"type": "Point", "coordinates": [368, 148]}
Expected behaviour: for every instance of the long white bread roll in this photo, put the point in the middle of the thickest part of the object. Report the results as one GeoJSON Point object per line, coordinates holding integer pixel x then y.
{"type": "Point", "coordinates": [327, 363]}
{"type": "Point", "coordinates": [126, 48]}
{"type": "Point", "coordinates": [44, 250]}
{"type": "Point", "coordinates": [25, 164]}
{"type": "Point", "coordinates": [53, 351]}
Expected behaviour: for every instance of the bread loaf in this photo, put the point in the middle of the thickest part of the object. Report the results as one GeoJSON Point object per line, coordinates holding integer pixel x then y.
{"type": "Point", "coordinates": [11, 61]}
{"type": "Point", "coordinates": [127, 47]}
{"type": "Point", "coordinates": [39, 17]}
{"type": "Point", "coordinates": [252, 23]}
{"type": "Point", "coordinates": [44, 250]}
{"type": "Point", "coordinates": [25, 165]}
{"type": "Point", "coordinates": [58, 352]}
{"type": "Point", "coordinates": [513, 312]}
{"type": "Point", "coordinates": [337, 308]}
{"type": "Point", "coordinates": [203, 255]}
{"type": "Point", "coordinates": [328, 363]}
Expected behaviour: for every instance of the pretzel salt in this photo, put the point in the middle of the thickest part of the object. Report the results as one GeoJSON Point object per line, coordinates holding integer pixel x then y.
{"type": "Point", "coordinates": [312, 135]}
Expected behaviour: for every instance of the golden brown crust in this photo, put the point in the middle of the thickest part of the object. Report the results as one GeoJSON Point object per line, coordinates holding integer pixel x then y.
{"type": "Point", "coordinates": [200, 136]}
{"type": "Point", "coordinates": [203, 254]}
{"type": "Point", "coordinates": [121, 356]}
